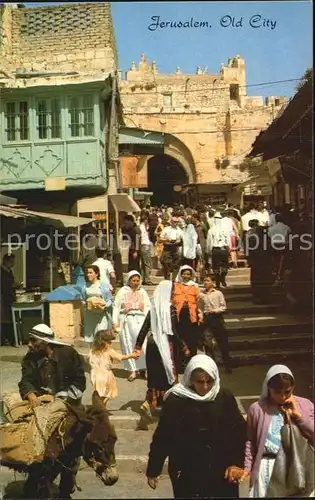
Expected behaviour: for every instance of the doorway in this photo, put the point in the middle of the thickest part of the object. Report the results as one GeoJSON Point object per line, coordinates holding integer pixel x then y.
{"type": "Point", "coordinates": [164, 172]}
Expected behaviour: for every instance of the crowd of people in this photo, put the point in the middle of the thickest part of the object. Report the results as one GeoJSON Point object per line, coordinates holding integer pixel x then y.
{"type": "Point", "coordinates": [210, 447]}
{"type": "Point", "coordinates": [211, 239]}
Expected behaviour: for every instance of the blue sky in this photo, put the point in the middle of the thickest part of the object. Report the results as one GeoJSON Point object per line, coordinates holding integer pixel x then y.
{"type": "Point", "coordinates": [281, 53]}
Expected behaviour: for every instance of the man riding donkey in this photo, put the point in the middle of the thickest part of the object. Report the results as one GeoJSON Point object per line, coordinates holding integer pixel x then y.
{"type": "Point", "coordinates": [51, 367]}
{"type": "Point", "coordinates": [53, 373]}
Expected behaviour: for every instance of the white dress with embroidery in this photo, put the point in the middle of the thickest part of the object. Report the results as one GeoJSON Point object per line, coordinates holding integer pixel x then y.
{"type": "Point", "coordinates": [130, 310]}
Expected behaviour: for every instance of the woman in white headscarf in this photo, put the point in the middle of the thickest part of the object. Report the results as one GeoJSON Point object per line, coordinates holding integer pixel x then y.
{"type": "Point", "coordinates": [160, 324]}
{"type": "Point", "coordinates": [276, 405]}
{"type": "Point", "coordinates": [202, 432]}
{"type": "Point", "coordinates": [185, 300]}
{"type": "Point", "coordinates": [131, 307]}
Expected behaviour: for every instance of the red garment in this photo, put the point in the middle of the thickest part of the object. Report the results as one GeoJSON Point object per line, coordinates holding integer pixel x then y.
{"type": "Point", "coordinates": [186, 294]}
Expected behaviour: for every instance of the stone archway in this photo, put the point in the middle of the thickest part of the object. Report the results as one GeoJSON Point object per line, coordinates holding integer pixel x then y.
{"type": "Point", "coordinates": [165, 172]}
{"type": "Point", "coordinates": [175, 148]}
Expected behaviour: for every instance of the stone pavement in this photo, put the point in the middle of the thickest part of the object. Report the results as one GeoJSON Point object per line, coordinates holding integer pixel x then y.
{"type": "Point", "coordinates": [134, 434]}
{"type": "Point", "coordinates": [252, 331]}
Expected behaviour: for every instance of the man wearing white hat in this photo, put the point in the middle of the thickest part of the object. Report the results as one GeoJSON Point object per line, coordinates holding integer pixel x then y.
{"type": "Point", "coordinates": [51, 367]}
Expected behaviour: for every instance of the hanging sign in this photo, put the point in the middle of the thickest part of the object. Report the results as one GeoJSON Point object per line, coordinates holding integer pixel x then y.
{"type": "Point", "coordinates": [134, 171]}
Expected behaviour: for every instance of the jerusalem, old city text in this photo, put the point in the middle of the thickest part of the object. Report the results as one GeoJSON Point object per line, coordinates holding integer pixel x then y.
{"type": "Point", "coordinates": [227, 21]}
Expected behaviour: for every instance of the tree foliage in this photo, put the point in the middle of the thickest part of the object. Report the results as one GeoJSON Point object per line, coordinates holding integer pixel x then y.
{"type": "Point", "coordinates": [308, 75]}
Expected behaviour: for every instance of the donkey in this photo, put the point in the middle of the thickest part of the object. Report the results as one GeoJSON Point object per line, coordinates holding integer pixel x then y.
{"type": "Point", "coordinates": [85, 432]}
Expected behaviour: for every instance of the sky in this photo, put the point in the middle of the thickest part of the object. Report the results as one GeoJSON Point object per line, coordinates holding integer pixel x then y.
{"type": "Point", "coordinates": [276, 46]}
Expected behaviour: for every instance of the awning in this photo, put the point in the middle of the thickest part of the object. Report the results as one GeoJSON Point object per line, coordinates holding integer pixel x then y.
{"type": "Point", "coordinates": [275, 140]}
{"type": "Point", "coordinates": [124, 203]}
{"type": "Point", "coordinates": [129, 135]}
{"type": "Point", "coordinates": [55, 220]}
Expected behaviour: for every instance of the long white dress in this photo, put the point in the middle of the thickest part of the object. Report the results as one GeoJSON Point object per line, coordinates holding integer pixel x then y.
{"type": "Point", "coordinates": [130, 310]}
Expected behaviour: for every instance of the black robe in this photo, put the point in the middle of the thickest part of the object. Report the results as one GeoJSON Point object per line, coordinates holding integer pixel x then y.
{"type": "Point", "coordinates": [157, 381]}
{"type": "Point", "coordinates": [201, 439]}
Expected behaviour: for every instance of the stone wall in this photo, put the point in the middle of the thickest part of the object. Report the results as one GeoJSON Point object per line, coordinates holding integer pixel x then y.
{"type": "Point", "coordinates": [217, 125]}
{"type": "Point", "coordinates": [77, 37]}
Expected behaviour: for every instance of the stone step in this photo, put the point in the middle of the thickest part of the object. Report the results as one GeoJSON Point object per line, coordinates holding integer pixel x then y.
{"type": "Point", "coordinates": [251, 357]}
{"type": "Point", "coordinates": [234, 308]}
{"type": "Point", "coordinates": [129, 484]}
{"type": "Point", "coordinates": [237, 289]}
{"type": "Point", "coordinates": [271, 340]}
{"type": "Point", "coordinates": [236, 296]}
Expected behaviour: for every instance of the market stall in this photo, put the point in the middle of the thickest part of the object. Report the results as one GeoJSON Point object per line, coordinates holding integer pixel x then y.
{"type": "Point", "coordinates": [32, 300]}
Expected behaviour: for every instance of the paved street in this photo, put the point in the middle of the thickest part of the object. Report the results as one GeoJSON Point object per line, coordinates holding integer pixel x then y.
{"type": "Point", "coordinates": [134, 434]}
{"type": "Point", "coordinates": [132, 446]}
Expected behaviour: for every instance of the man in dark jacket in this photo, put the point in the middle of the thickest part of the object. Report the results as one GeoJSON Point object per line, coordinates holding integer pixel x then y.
{"type": "Point", "coordinates": [132, 233]}
{"type": "Point", "coordinates": [51, 367]}
{"type": "Point", "coordinates": [8, 296]}
{"type": "Point", "coordinates": [258, 253]}
{"type": "Point", "coordinates": [153, 221]}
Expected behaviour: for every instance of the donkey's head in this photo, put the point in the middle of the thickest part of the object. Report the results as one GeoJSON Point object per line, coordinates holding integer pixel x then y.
{"type": "Point", "coordinates": [99, 444]}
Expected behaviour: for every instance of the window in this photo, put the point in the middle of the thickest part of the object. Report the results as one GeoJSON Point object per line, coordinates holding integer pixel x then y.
{"type": "Point", "coordinates": [234, 92]}
{"type": "Point", "coordinates": [81, 111]}
{"type": "Point", "coordinates": [48, 119]}
{"type": "Point", "coordinates": [17, 121]}
{"type": "Point", "coordinates": [167, 100]}
{"type": "Point", "coordinates": [277, 102]}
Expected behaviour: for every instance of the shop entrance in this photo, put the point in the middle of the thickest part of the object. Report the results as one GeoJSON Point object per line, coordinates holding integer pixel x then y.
{"type": "Point", "coordinates": [164, 172]}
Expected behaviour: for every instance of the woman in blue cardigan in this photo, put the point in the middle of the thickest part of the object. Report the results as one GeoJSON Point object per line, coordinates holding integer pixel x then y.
{"type": "Point", "coordinates": [95, 320]}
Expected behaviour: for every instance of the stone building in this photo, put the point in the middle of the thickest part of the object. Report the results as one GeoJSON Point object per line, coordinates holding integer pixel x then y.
{"type": "Point", "coordinates": [209, 123]}
{"type": "Point", "coordinates": [57, 77]}
{"type": "Point", "coordinates": [59, 113]}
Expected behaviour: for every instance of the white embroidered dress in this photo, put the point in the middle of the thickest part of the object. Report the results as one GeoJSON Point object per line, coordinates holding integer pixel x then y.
{"type": "Point", "coordinates": [130, 310]}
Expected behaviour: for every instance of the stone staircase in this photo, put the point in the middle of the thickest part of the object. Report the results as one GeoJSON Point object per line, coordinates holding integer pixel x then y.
{"type": "Point", "coordinates": [259, 336]}
{"type": "Point", "coordinates": [259, 333]}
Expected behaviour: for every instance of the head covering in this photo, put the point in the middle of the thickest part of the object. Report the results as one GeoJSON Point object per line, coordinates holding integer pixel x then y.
{"type": "Point", "coordinates": [130, 275]}
{"type": "Point", "coordinates": [183, 389]}
{"type": "Point", "coordinates": [161, 325]}
{"type": "Point", "coordinates": [45, 333]}
{"type": "Point", "coordinates": [179, 278]}
{"type": "Point", "coordinates": [274, 370]}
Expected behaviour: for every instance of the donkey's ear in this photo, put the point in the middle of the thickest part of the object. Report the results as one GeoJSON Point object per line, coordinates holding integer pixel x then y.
{"type": "Point", "coordinates": [97, 400]}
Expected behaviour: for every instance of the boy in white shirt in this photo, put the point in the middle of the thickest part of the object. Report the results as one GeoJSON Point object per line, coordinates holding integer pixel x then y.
{"type": "Point", "coordinates": [107, 271]}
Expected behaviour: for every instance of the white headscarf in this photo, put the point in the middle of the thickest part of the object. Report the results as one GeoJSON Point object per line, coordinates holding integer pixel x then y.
{"type": "Point", "coordinates": [130, 275]}
{"type": "Point", "coordinates": [179, 278]}
{"type": "Point", "coordinates": [274, 370]}
{"type": "Point", "coordinates": [183, 389]}
{"type": "Point", "coordinates": [161, 325]}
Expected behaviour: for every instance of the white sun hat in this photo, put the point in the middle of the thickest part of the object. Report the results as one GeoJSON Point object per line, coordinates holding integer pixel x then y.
{"type": "Point", "coordinates": [45, 333]}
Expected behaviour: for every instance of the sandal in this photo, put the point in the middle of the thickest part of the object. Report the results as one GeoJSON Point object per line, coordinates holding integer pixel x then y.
{"type": "Point", "coordinates": [131, 378]}
{"type": "Point", "coordinates": [145, 408]}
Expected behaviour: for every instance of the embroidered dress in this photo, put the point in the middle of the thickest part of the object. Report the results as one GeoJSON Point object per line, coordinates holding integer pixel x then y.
{"type": "Point", "coordinates": [272, 446]}
{"type": "Point", "coordinates": [130, 310]}
{"type": "Point", "coordinates": [102, 377]}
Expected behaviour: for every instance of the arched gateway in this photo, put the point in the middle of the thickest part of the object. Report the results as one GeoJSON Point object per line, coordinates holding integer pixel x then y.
{"type": "Point", "coordinates": [175, 167]}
